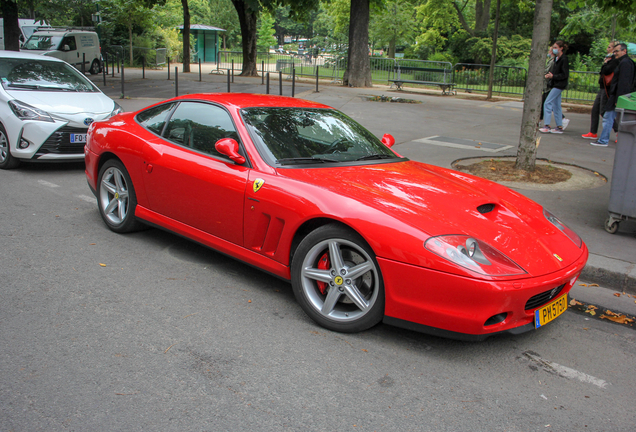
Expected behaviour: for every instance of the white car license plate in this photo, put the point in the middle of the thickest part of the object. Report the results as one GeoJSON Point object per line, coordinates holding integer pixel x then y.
{"type": "Point", "coordinates": [78, 138]}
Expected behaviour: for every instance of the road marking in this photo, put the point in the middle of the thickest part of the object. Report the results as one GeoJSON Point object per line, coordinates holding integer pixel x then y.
{"type": "Point", "coordinates": [48, 184]}
{"type": "Point", "coordinates": [87, 198]}
{"type": "Point", "coordinates": [564, 371]}
{"type": "Point", "coordinates": [465, 144]}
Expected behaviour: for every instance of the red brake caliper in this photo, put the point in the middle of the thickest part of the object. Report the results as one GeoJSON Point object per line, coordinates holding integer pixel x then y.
{"type": "Point", "coordinates": [323, 264]}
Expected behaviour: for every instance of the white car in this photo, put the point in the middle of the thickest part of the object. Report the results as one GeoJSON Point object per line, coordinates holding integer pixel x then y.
{"type": "Point", "coordinates": [46, 106]}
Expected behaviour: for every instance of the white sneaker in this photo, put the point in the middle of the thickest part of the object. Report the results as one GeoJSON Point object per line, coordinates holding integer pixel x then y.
{"type": "Point", "coordinates": [566, 122]}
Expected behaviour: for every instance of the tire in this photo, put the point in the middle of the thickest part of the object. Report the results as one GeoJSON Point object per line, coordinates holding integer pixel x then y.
{"type": "Point", "coordinates": [95, 69]}
{"type": "Point", "coordinates": [6, 160]}
{"type": "Point", "coordinates": [611, 228]}
{"type": "Point", "coordinates": [116, 198]}
{"type": "Point", "coordinates": [337, 281]}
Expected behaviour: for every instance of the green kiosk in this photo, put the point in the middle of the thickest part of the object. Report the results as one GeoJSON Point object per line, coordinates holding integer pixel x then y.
{"type": "Point", "coordinates": [206, 42]}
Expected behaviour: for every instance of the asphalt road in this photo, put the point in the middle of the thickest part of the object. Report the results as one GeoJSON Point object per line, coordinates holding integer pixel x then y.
{"type": "Point", "coordinates": [147, 331]}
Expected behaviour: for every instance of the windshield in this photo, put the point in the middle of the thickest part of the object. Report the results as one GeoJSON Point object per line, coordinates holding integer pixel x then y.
{"type": "Point", "coordinates": [43, 75]}
{"type": "Point", "coordinates": [42, 43]}
{"type": "Point", "coordinates": [291, 136]}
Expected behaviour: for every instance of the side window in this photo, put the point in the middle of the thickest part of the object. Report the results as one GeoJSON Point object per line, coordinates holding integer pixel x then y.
{"type": "Point", "coordinates": [155, 118]}
{"type": "Point", "coordinates": [199, 126]}
{"type": "Point", "coordinates": [70, 41]}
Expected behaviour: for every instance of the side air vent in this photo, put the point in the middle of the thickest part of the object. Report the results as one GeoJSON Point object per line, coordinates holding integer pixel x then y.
{"type": "Point", "coordinates": [485, 208]}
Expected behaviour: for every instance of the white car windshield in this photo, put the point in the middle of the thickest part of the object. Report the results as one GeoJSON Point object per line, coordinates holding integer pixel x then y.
{"type": "Point", "coordinates": [42, 43]}
{"type": "Point", "coordinates": [42, 75]}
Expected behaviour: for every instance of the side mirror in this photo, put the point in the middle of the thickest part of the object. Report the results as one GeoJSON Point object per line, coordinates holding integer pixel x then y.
{"type": "Point", "coordinates": [230, 148]}
{"type": "Point", "coordinates": [388, 140]}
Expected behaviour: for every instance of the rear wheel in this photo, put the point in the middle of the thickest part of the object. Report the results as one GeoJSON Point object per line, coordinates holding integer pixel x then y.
{"type": "Point", "coordinates": [336, 280]}
{"type": "Point", "coordinates": [6, 160]}
{"type": "Point", "coordinates": [116, 198]}
{"type": "Point", "coordinates": [94, 70]}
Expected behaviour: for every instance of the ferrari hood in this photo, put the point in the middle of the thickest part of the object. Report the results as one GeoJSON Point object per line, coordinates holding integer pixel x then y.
{"type": "Point", "coordinates": [439, 201]}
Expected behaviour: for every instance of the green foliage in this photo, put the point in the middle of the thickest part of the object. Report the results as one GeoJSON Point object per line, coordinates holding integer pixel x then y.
{"type": "Point", "coordinates": [266, 32]}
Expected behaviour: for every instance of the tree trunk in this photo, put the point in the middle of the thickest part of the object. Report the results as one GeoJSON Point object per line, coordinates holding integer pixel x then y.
{"type": "Point", "coordinates": [527, 151]}
{"type": "Point", "coordinates": [482, 16]}
{"type": "Point", "coordinates": [358, 72]}
{"type": "Point", "coordinates": [493, 58]}
{"type": "Point", "coordinates": [247, 20]}
{"type": "Point", "coordinates": [186, 36]}
{"type": "Point", "coordinates": [463, 21]}
{"type": "Point", "coordinates": [11, 27]}
{"type": "Point", "coordinates": [392, 48]}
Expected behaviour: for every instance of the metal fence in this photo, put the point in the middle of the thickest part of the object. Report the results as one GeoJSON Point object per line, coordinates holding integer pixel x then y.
{"type": "Point", "coordinates": [153, 57]}
{"type": "Point", "coordinates": [474, 78]}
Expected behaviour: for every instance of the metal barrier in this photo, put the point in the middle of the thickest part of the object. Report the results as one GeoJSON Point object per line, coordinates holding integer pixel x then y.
{"type": "Point", "coordinates": [582, 86]}
{"type": "Point", "coordinates": [474, 78]}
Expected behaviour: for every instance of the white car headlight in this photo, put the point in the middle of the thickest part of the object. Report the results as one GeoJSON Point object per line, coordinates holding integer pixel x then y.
{"type": "Point", "coordinates": [27, 112]}
{"type": "Point", "coordinates": [117, 110]}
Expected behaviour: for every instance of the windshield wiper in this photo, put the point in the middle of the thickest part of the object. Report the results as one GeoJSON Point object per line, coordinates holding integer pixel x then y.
{"type": "Point", "coordinates": [287, 161]}
{"type": "Point", "coordinates": [24, 86]}
{"type": "Point", "coordinates": [376, 156]}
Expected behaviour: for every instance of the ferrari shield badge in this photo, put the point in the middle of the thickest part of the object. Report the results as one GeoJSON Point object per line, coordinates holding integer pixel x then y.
{"type": "Point", "coordinates": [258, 183]}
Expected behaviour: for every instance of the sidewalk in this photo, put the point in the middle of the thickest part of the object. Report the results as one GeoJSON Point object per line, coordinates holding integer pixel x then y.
{"type": "Point", "coordinates": [612, 262]}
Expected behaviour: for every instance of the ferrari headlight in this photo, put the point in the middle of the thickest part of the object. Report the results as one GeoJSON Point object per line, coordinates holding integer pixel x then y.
{"type": "Point", "coordinates": [564, 229]}
{"type": "Point", "coordinates": [27, 112]}
{"type": "Point", "coordinates": [117, 110]}
{"type": "Point", "coordinates": [473, 255]}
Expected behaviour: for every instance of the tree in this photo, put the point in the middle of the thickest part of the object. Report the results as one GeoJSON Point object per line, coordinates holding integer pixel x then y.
{"type": "Point", "coordinates": [128, 13]}
{"type": "Point", "coordinates": [248, 11]}
{"type": "Point", "coordinates": [392, 23]}
{"type": "Point", "coordinates": [528, 143]}
{"type": "Point", "coordinates": [358, 71]}
{"type": "Point", "coordinates": [266, 33]}
{"type": "Point", "coordinates": [11, 26]}
{"type": "Point", "coordinates": [186, 36]}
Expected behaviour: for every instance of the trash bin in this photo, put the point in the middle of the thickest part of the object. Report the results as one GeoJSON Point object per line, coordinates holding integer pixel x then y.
{"type": "Point", "coordinates": [622, 202]}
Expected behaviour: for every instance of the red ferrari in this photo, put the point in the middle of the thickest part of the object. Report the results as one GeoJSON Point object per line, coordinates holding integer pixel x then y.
{"type": "Point", "coordinates": [301, 191]}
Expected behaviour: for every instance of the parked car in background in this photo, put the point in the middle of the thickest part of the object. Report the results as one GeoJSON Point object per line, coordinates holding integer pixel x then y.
{"type": "Point", "coordinates": [302, 191]}
{"type": "Point", "coordinates": [46, 106]}
{"type": "Point", "coordinates": [71, 45]}
{"type": "Point", "coordinates": [27, 27]}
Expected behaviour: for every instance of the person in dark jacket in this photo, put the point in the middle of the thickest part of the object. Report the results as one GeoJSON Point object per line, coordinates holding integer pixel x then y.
{"type": "Point", "coordinates": [609, 65]}
{"type": "Point", "coordinates": [621, 84]}
{"type": "Point", "coordinates": [559, 81]}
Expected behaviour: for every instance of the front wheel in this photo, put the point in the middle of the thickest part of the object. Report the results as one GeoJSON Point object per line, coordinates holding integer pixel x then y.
{"type": "Point", "coordinates": [337, 281]}
{"type": "Point", "coordinates": [116, 198]}
{"type": "Point", "coordinates": [7, 161]}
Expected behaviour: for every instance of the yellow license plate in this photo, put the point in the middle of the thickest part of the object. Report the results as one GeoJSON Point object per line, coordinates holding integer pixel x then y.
{"type": "Point", "coordinates": [550, 311]}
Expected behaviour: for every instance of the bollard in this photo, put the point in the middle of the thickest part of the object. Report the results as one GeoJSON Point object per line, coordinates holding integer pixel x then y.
{"type": "Point", "coordinates": [168, 68]}
{"type": "Point", "coordinates": [232, 70]}
{"type": "Point", "coordinates": [122, 64]}
{"type": "Point", "coordinates": [103, 71]}
{"type": "Point", "coordinates": [267, 87]}
{"type": "Point", "coordinates": [105, 62]}
{"type": "Point", "coordinates": [262, 72]}
{"type": "Point", "coordinates": [143, 67]}
{"type": "Point", "coordinates": [83, 63]}
{"type": "Point", "coordinates": [112, 69]}
{"type": "Point", "coordinates": [280, 82]}
{"type": "Point", "coordinates": [293, 81]}
{"type": "Point", "coordinates": [317, 77]}
{"type": "Point", "coordinates": [122, 81]}
{"type": "Point", "coordinates": [199, 70]}
{"type": "Point", "coordinates": [228, 81]}
{"type": "Point", "coordinates": [176, 81]}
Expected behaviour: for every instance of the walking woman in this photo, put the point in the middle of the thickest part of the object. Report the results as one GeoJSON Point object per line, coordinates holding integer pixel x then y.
{"type": "Point", "coordinates": [559, 81]}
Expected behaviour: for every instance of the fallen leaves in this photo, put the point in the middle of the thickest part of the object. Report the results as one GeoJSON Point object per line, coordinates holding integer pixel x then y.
{"type": "Point", "coordinates": [102, 264]}
{"type": "Point", "coordinates": [617, 318]}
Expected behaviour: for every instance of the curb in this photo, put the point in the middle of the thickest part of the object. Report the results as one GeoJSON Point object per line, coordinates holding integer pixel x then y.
{"type": "Point", "coordinates": [611, 273]}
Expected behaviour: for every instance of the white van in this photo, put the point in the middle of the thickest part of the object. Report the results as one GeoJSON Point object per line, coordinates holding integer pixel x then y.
{"type": "Point", "coordinates": [68, 44]}
{"type": "Point", "coordinates": [27, 27]}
